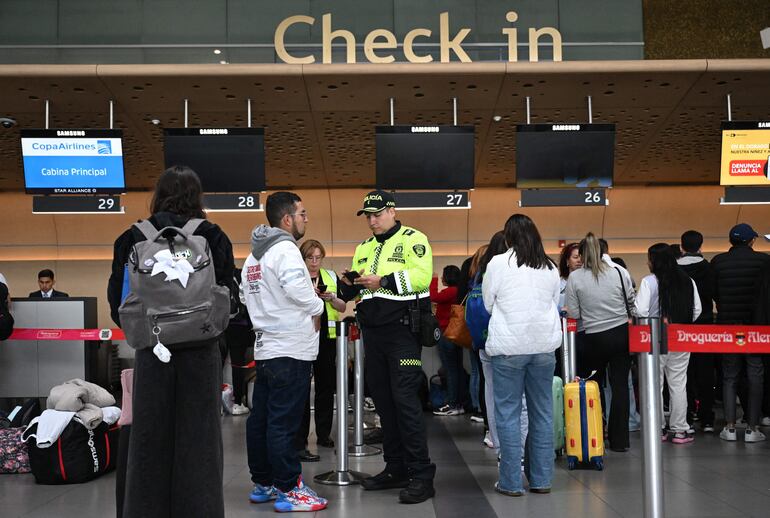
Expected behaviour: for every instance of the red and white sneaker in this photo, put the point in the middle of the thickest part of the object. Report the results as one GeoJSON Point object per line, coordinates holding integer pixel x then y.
{"type": "Point", "coordinates": [299, 499]}
{"type": "Point", "coordinates": [682, 438]}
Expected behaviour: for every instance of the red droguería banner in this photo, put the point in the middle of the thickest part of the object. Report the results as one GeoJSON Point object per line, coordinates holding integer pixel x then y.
{"type": "Point", "coordinates": [67, 334]}
{"type": "Point", "coordinates": [704, 339]}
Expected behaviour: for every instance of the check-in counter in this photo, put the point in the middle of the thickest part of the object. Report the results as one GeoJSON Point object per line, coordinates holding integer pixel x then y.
{"type": "Point", "coordinates": [30, 368]}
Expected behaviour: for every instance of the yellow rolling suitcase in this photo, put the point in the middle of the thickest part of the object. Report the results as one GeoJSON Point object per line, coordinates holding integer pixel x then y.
{"type": "Point", "coordinates": [583, 418]}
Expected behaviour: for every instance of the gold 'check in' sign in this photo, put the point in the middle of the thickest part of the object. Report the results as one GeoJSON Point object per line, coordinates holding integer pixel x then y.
{"type": "Point", "coordinates": [379, 41]}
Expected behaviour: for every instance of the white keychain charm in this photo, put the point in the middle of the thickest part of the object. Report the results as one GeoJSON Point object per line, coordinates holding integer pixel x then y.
{"type": "Point", "coordinates": [160, 350]}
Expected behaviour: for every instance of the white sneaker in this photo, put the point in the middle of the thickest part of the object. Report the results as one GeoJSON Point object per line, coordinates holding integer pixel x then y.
{"type": "Point", "coordinates": [753, 436]}
{"type": "Point", "coordinates": [458, 410]}
{"type": "Point", "coordinates": [765, 421]}
{"type": "Point", "coordinates": [240, 409]}
{"type": "Point", "coordinates": [448, 410]}
{"type": "Point", "coordinates": [728, 434]}
{"type": "Point", "coordinates": [488, 440]}
{"type": "Point", "coordinates": [369, 404]}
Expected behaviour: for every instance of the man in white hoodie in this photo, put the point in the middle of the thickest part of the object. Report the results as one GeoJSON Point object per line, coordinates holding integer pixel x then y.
{"type": "Point", "coordinates": [284, 311]}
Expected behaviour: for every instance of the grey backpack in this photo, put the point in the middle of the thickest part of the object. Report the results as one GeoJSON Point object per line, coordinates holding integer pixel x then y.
{"type": "Point", "coordinates": [174, 297]}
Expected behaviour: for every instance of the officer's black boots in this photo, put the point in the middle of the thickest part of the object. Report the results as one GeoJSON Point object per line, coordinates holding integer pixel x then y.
{"type": "Point", "coordinates": [418, 490]}
{"type": "Point", "coordinates": [306, 456]}
{"type": "Point", "coordinates": [385, 480]}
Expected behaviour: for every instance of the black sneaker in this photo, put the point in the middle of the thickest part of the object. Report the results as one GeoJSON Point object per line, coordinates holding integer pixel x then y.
{"type": "Point", "coordinates": [385, 480]}
{"type": "Point", "coordinates": [417, 491]}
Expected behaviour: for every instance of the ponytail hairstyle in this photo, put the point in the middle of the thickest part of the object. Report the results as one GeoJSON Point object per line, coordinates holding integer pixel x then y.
{"type": "Point", "coordinates": [675, 291]}
{"type": "Point", "coordinates": [590, 252]}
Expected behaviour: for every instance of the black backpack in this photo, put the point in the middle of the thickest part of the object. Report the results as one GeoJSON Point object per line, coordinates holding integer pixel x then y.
{"type": "Point", "coordinates": [238, 312]}
{"type": "Point", "coordinates": [6, 319]}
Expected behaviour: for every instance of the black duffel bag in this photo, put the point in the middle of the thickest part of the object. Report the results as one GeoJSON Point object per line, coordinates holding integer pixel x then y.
{"type": "Point", "coordinates": [79, 455]}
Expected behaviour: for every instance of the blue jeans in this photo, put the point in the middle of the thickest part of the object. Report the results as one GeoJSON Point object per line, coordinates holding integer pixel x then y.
{"type": "Point", "coordinates": [475, 379]}
{"type": "Point", "coordinates": [531, 375]}
{"type": "Point", "coordinates": [280, 389]}
{"type": "Point", "coordinates": [452, 359]}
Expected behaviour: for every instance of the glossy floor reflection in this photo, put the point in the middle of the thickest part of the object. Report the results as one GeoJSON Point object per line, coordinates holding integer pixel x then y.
{"type": "Point", "coordinates": [708, 478]}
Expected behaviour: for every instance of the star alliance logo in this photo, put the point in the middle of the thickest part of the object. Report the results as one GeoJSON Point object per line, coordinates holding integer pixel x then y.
{"type": "Point", "coordinates": [104, 147]}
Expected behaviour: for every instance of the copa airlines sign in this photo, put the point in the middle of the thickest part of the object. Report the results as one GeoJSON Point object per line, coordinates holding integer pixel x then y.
{"type": "Point", "coordinates": [379, 44]}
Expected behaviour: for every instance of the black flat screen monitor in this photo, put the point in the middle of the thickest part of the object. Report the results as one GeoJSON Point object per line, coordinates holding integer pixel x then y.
{"type": "Point", "coordinates": [226, 159]}
{"type": "Point", "coordinates": [564, 155]}
{"type": "Point", "coordinates": [73, 161]}
{"type": "Point", "coordinates": [425, 157]}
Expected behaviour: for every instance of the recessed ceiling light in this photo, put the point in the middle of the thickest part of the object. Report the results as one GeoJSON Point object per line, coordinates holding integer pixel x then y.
{"type": "Point", "coordinates": [497, 118]}
{"type": "Point", "coordinates": [155, 121]}
{"type": "Point", "coordinates": [217, 51]}
{"type": "Point", "coordinates": [223, 62]}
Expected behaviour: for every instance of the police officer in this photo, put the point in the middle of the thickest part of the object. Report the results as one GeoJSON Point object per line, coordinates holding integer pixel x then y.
{"type": "Point", "coordinates": [395, 267]}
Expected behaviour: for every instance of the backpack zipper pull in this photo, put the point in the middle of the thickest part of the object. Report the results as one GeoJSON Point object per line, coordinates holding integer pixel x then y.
{"type": "Point", "coordinates": [160, 350]}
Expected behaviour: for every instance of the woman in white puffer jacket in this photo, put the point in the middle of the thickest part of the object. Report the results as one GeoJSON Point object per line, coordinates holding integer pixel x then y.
{"type": "Point", "coordinates": [521, 292]}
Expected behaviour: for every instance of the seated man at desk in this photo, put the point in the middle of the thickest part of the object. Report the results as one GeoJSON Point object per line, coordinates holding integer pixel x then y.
{"type": "Point", "coordinates": [46, 282]}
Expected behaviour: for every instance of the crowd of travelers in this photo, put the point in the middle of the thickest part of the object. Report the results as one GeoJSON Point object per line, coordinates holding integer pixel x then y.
{"type": "Point", "coordinates": [525, 292]}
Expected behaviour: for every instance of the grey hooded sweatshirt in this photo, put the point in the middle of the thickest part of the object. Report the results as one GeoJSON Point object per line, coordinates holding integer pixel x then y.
{"type": "Point", "coordinates": [280, 298]}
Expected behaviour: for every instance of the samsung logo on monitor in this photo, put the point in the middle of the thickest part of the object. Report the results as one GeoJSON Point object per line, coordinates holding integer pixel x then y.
{"type": "Point", "coordinates": [212, 131]}
{"type": "Point", "coordinates": [565, 127]}
{"type": "Point", "coordinates": [70, 133]}
{"type": "Point", "coordinates": [425, 129]}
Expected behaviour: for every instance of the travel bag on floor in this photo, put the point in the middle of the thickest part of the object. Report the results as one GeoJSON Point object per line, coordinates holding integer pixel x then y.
{"type": "Point", "coordinates": [583, 416]}
{"type": "Point", "coordinates": [558, 415]}
{"type": "Point", "coordinates": [14, 457]}
{"type": "Point", "coordinates": [79, 455]}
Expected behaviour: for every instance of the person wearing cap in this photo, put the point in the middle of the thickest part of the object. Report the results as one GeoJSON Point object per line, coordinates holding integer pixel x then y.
{"type": "Point", "coordinates": [395, 267]}
{"type": "Point", "coordinates": [736, 274]}
{"type": "Point", "coordinates": [762, 318]}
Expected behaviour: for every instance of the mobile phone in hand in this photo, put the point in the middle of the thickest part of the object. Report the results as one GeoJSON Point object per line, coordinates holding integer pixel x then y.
{"type": "Point", "coordinates": [352, 276]}
{"type": "Point", "coordinates": [321, 287]}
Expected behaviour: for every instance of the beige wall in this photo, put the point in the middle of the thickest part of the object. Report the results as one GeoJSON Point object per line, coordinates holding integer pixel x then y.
{"type": "Point", "coordinates": [79, 247]}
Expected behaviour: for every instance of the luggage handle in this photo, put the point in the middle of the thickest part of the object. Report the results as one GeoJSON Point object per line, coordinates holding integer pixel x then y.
{"type": "Point", "coordinates": [593, 373]}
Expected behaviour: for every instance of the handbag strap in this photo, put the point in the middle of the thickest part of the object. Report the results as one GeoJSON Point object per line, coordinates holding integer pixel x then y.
{"type": "Point", "coordinates": [623, 287]}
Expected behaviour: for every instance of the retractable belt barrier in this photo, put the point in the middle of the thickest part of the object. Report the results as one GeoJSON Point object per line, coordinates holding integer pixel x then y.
{"type": "Point", "coordinates": [359, 448]}
{"type": "Point", "coordinates": [650, 402]}
{"type": "Point", "coordinates": [342, 475]}
{"type": "Point", "coordinates": [36, 335]}
{"type": "Point", "coordinates": [692, 338]}
{"type": "Point", "coordinates": [66, 334]}
{"type": "Point", "coordinates": [651, 339]}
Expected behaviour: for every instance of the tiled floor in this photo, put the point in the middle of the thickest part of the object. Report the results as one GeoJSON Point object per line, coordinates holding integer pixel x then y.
{"type": "Point", "coordinates": [709, 478]}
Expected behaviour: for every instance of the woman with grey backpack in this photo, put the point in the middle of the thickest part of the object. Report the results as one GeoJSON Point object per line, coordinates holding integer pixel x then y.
{"type": "Point", "coordinates": [180, 271]}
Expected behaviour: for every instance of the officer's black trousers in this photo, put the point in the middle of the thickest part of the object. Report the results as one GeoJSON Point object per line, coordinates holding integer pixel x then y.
{"type": "Point", "coordinates": [394, 375]}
